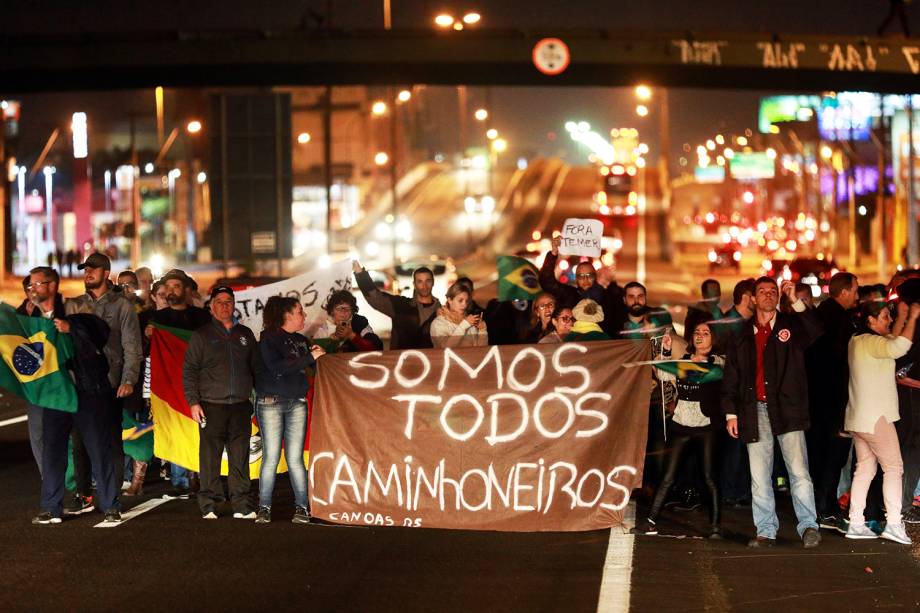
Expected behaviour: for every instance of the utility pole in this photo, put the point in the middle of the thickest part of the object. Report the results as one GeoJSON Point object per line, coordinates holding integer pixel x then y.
{"type": "Point", "coordinates": [664, 173]}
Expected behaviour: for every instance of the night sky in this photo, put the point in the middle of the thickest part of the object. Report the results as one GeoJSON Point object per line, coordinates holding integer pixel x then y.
{"type": "Point", "coordinates": [695, 114]}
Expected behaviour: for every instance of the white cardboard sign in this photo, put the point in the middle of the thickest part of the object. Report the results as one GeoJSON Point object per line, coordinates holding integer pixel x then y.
{"type": "Point", "coordinates": [581, 237]}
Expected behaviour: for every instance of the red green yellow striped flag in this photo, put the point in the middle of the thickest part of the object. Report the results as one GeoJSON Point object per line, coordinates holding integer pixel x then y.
{"type": "Point", "coordinates": [176, 433]}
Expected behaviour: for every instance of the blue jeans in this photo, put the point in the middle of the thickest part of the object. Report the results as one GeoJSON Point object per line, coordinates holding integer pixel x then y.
{"type": "Point", "coordinates": [792, 446]}
{"type": "Point", "coordinates": [178, 476]}
{"type": "Point", "coordinates": [282, 418]}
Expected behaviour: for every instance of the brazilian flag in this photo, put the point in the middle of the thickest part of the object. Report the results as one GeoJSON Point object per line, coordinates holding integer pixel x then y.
{"type": "Point", "coordinates": [694, 372]}
{"type": "Point", "coordinates": [33, 357]}
{"type": "Point", "coordinates": [137, 438]}
{"type": "Point", "coordinates": [518, 279]}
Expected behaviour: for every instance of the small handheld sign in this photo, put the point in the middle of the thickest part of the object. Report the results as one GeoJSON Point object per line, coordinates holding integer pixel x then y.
{"type": "Point", "coordinates": [551, 56]}
{"type": "Point", "coordinates": [581, 237]}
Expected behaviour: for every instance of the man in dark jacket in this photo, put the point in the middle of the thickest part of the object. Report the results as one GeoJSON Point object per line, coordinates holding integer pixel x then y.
{"type": "Point", "coordinates": [409, 315]}
{"type": "Point", "coordinates": [586, 286]}
{"type": "Point", "coordinates": [42, 300]}
{"type": "Point", "coordinates": [828, 391]}
{"type": "Point", "coordinates": [89, 369]}
{"type": "Point", "coordinates": [765, 393]}
{"type": "Point", "coordinates": [217, 379]}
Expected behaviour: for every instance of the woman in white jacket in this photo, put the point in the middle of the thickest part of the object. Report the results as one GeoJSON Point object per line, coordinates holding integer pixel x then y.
{"type": "Point", "coordinates": [872, 410]}
{"type": "Point", "coordinates": [453, 327]}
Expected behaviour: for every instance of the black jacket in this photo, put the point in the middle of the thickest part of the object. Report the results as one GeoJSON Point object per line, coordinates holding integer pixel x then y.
{"type": "Point", "coordinates": [219, 364]}
{"type": "Point", "coordinates": [89, 366]}
{"type": "Point", "coordinates": [281, 368]}
{"type": "Point", "coordinates": [610, 298]}
{"type": "Point", "coordinates": [784, 374]}
{"type": "Point", "coordinates": [408, 316]}
{"type": "Point", "coordinates": [828, 368]}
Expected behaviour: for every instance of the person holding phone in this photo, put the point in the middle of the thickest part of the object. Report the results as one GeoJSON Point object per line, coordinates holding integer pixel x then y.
{"type": "Point", "coordinates": [346, 331]}
{"type": "Point", "coordinates": [455, 326]}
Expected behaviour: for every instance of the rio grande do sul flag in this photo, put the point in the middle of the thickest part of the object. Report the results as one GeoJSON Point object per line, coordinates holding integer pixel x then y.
{"type": "Point", "coordinates": [176, 434]}
{"type": "Point", "coordinates": [33, 356]}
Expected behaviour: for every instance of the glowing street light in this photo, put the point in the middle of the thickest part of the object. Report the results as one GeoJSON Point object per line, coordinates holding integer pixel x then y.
{"type": "Point", "coordinates": [404, 95]}
{"type": "Point", "coordinates": [491, 133]}
{"type": "Point", "coordinates": [379, 108]}
{"type": "Point", "coordinates": [643, 92]}
{"type": "Point", "coordinates": [444, 20]}
{"type": "Point", "coordinates": [471, 18]}
{"type": "Point", "coordinates": [381, 158]}
{"type": "Point", "coordinates": [303, 138]}
{"type": "Point", "coordinates": [78, 126]}
{"type": "Point", "coordinates": [826, 152]}
{"type": "Point", "coordinates": [481, 114]}
{"type": "Point", "coordinates": [499, 145]}
{"type": "Point", "coordinates": [148, 168]}
{"type": "Point", "coordinates": [193, 127]}
{"type": "Point", "coordinates": [641, 110]}
{"type": "Point", "coordinates": [771, 153]}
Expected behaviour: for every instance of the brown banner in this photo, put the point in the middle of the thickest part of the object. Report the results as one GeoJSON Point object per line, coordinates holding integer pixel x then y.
{"type": "Point", "coordinates": [520, 437]}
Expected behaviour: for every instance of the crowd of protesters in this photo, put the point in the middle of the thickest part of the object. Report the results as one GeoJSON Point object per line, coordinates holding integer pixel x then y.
{"type": "Point", "coordinates": [811, 399]}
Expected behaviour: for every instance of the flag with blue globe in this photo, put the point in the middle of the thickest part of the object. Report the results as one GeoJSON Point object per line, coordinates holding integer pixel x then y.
{"type": "Point", "coordinates": [33, 355]}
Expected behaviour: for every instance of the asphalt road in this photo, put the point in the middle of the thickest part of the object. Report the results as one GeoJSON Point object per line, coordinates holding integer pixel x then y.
{"type": "Point", "coordinates": [169, 557]}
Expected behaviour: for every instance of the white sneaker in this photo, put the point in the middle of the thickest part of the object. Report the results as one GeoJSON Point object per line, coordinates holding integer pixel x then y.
{"type": "Point", "coordinates": [250, 515]}
{"type": "Point", "coordinates": [209, 515]}
{"type": "Point", "coordinates": [860, 531]}
{"type": "Point", "coordinates": [896, 533]}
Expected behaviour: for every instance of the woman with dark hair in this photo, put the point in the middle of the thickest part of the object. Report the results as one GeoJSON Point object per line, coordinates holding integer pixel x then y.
{"type": "Point", "coordinates": [345, 331]}
{"type": "Point", "coordinates": [281, 401]}
{"type": "Point", "coordinates": [691, 423]}
{"type": "Point", "coordinates": [872, 410]}
{"type": "Point", "coordinates": [560, 325]}
{"type": "Point", "coordinates": [540, 316]}
{"type": "Point", "coordinates": [454, 326]}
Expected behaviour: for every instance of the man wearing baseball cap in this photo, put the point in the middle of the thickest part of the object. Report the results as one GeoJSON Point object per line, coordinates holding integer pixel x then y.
{"type": "Point", "coordinates": [123, 350]}
{"type": "Point", "coordinates": [217, 378]}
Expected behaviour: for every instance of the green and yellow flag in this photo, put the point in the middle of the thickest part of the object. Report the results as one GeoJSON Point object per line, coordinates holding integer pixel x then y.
{"type": "Point", "coordinates": [518, 279]}
{"type": "Point", "coordinates": [695, 372]}
{"type": "Point", "coordinates": [33, 357]}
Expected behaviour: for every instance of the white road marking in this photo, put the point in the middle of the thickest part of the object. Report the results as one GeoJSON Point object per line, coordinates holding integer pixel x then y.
{"type": "Point", "coordinates": [14, 420]}
{"type": "Point", "coordinates": [617, 577]}
{"type": "Point", "coordinates": [138, 510]}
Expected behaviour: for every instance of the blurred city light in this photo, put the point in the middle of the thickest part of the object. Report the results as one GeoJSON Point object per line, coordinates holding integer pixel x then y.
{"type": "Point", "coordinates": [193, 127]}
{"type": "Point", "coordinates": [641, 110]}
{"type": "Point", "coordinates": [379, 108]}
{"type": "Point", "coordinates": [381, 158]}
{"type": "Point", "coordinates": [491, 133]}
{"type": "Point", "coordinates": [78, 126]}
{"type": "Point", "coordinates": [643, 92]}
{"type": "Point", "coordinates": [499, 145]}
{"type": "Point", "coordinates": [303, 138]}
{"type": "Point", "coordinates": [202, 177]}
{"type": "Point", "coordinates": [481, 114]}
{"type": "Point", "coordinates": [471, 18]}
{"type": "Point", "coordinates": [444, 20]}
{"type": "Point", "coordinates": [148, 167]}
{"type": "Point", "coordinates": [404, 95]}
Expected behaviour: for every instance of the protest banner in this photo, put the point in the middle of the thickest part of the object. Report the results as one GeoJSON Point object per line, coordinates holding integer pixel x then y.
{"type": "Point", "coordinates": [311, 289]}
{"type": "Point", "coordinates": [581, 237]}
{"type": "Point", "coordinates": [513, 437]}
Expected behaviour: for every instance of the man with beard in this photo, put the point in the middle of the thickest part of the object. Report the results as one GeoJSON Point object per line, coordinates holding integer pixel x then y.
{"type": "Point", "coordinates": [184, 315]}
{"type": "Point", "coordinates": [123, 349]}
{"type": "Point", "coordinates": [586, 287]}
{"type": "Point", "coordinates": [45, 301]}
{"type": "Point", "coordinates": [409, 315]}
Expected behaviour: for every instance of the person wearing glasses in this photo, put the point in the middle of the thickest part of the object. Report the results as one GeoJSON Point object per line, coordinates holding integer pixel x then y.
{"type": "Point", "coordinates": [541, 318]}
{"type": "Point", "coordinates": [610, 298]}
{"type": "Point", "coordinates": [42, 300]}
{"type": "Point", "coordinates": [345, 331]}
{"type": "Point", "coordinates": [561, 322]}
